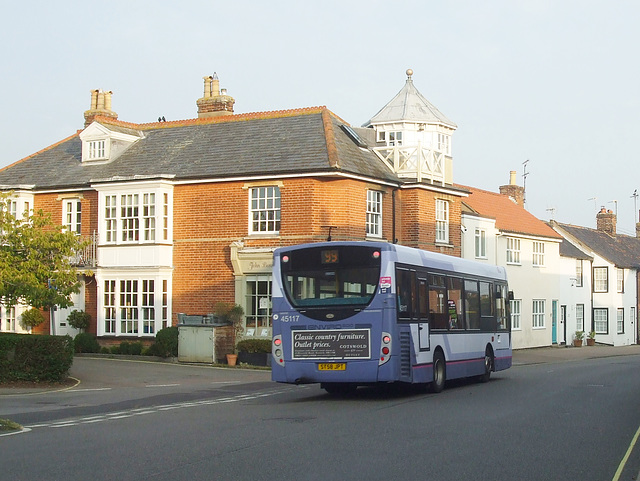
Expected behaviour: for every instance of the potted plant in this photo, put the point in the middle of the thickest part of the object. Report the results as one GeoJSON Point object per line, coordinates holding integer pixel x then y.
{"type": "Point", "coordinates": [577, 338]}
{"type": "Point", "coordinates": [231, 314]}
{"type": "Point", "coordinates": [591, 338]}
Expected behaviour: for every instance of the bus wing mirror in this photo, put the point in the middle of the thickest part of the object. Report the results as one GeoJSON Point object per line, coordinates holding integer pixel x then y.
{"type": "Point", "coordinates": [511, 295]}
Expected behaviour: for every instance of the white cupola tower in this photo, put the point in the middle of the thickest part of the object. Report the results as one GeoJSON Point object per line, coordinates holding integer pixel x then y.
{"type": "Point", "coordinates": [413, 137]}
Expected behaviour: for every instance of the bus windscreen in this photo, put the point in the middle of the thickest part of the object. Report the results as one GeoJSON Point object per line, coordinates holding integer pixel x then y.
{"type": "Point", "coordinates": [326, 277]}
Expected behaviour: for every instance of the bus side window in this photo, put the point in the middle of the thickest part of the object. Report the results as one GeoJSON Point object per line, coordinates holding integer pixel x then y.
{"type": "Point", "coordinates": [487, 318]}
{"type": "Point", "coordinates": [423, 310]}
{"type": "Point", "coordinates": [438, 308]}
{"type": "Point", "coordinates": [472, 303]}
{"type": "Point", "coordinates": [501, 306]}
{"type": "Point", "coordinates": [406, 287]}
{"type": "Point", "coordinates": [454, 295]}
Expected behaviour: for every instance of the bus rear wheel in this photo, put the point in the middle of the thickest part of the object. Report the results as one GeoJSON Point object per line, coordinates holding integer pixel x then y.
{"type": "Point", "coordinates": [339, 388]}
{"type": "Point", "coordinates": [439, 372]}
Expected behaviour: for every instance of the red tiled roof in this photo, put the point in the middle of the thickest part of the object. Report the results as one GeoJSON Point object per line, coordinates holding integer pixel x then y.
{"type": "Point", "coordinates": [215, 120]}
{"type": "Point", "coordinates": [509, 216]}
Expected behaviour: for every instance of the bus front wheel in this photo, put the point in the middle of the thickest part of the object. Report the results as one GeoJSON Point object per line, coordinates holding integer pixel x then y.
{"type": "Point", "coordinates": [439, 372]}
{"type": "Point", "coordinates": [488, 366]}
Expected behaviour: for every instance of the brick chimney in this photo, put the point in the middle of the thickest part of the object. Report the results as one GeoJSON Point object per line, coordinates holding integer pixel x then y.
{"type": "Point", "coordinates": [100, 105]}
{"type": "Point", "coordinates": [606, 221]}
{"type": "Point", "coordinates": [512, 190]}
{"type": "Point", "coordinates": [215, 102]}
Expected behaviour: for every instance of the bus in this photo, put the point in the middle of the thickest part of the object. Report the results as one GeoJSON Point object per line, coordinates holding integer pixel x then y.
{"type": "Point", "coordinates": [349, 314]}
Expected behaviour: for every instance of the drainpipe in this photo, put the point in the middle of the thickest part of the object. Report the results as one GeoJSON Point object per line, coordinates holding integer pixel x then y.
{"type": "Point", "coordinates": [393, 217]}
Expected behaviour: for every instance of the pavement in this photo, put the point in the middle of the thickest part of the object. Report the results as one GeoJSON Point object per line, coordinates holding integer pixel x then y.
{"type": "Point", "coordinates": [521, 357]}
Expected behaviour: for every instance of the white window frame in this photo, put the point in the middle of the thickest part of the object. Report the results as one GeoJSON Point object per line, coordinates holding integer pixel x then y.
{"type": "Point", "coordinates": [258, 305]}
{"type": "Point", "coordinates": [444, 143]}
{"type": "Point", "coordinates": [538, 313]}
{"type": "Point", "coordinates": [135, 216]}
{"type": "Point", "coordinates": [620, 320]}
{"type": "Point", "coordinates": [374, 213]}
{"type": "Point", "coordinates": [442, 221]}
{"type": "Point", "coordinates": [579, 317]}
{"type": "Point", "coordinates": [394, 138]}
{"type": "Point", "coordinates": [579, 274]}
{"type": "Point", "coordinates": [110, 306]}
{"type": "Point", "coordinates": [97, 149]}
{"type": "Point", "coordinates": [264, 209]}
{"type": "Point", "coordinates": [516, 314]}
{"type": "Point", "coordinates": [619, 279]}
{"type": "Point", "coordinates": [601, 320]}
{"type": "Point", "coordinates": [8, 321]}
{"type": "Point", "coordinates": [481, 243]}
{"type": "Point", "coordinates": [149, 216]}
{"type": "Point", "coordinates": [130, 218]}
{"type": "Point", "coordinates": [148, 306]}
{"type": "Point", "coordinates": [538, 254]}
{"type": "Point", "coordinates": [513, 250]}
{"type": "Point", "coordinates": [600, 279]}
{"type": "Point", "coordinates": [134, 306]}
{"type": "Point", "coordinates": [72, 215]}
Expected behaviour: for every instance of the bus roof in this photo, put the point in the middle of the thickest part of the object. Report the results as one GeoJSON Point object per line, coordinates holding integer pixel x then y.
{"type": "Point", "coordinates": [418, 257]}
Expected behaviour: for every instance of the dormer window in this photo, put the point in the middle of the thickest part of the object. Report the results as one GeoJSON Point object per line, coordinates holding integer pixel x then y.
{"type": "Point", "coordinates": [106, 142]}
{"type": "Point", "coordinates": [97, 149]}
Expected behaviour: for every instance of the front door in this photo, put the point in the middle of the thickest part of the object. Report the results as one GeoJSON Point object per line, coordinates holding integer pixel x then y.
{"type": "Point", "coordinates": [554, 322]}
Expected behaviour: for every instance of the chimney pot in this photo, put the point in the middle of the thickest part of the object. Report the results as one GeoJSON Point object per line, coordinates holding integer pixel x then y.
{"type": "Point", "coordinates": [513, 190]}
{"type": "Point", "coordinates": [100, 105]}
{"type": "Point", "coordinates": [214, 103]}
{"type": "Point", "coordinates": [606, 221]}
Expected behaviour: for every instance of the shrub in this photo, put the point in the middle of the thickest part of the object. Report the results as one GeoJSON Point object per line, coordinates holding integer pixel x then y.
{"type": "Point", "coordinates": [104, 350]}
{"type": "Point", "coordinates": [79, 319]}
{"type": "Point", "coordinates": [254, 345]}
{"type": "Point", "coordinates": [135, 348]}
{"type": "Point", "coordinates": [166, 344]}
{"type": "Point", "coordinates": [124, 347]}
{"type": "Point", "coordinates": [114, 349]}
{"type": "Point", "coordinates": [85, 342]}
{"type": "Point", "coordinates": [32, 318]}
{"type": "Point", "coordinates": [35, 358]}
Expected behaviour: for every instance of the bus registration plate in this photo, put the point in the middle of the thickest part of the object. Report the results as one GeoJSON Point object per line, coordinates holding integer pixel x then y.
{"type": "Point", "coordinates": [332, 366]}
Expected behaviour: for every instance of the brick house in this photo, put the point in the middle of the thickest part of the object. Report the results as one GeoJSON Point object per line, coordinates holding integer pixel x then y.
{"type": "Point", "coordinates": [187, 213]}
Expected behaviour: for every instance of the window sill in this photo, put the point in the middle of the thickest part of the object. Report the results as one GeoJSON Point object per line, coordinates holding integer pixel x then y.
{"type": "Point", "coordinates": [264, 235]}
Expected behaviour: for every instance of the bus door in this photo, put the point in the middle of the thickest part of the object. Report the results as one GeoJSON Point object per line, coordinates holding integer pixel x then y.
{"type": "Point", "coordinates": [423, 316]}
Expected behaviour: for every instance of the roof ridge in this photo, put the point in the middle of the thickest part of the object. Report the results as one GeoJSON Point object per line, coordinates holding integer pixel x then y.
{"type": "Point", "coordinates": [214, 120]}
{"type": "Point", "coordinates": [329, 136]}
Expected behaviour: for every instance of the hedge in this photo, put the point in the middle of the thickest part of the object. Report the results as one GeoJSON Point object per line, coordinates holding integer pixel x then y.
{"type": "Point", "coordinates": [29, 357]}
{"type": "Point", "coordinates": [254, 345]}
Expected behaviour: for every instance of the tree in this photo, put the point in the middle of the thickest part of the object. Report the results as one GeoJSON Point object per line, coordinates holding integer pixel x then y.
{"type": "Point", "coordinates": [79, 319]}
{"type": "Point", "coordinates": [32, 318]}
{"type": "Point", "coordinates": [36, 260]}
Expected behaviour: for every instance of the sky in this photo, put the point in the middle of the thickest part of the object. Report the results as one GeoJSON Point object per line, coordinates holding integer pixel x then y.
{"type": "Point", "coordinates": [553, 84]}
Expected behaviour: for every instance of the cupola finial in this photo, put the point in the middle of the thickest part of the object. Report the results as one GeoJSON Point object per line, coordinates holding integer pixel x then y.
{"type": "Point", "coordinates": [409, 73]}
